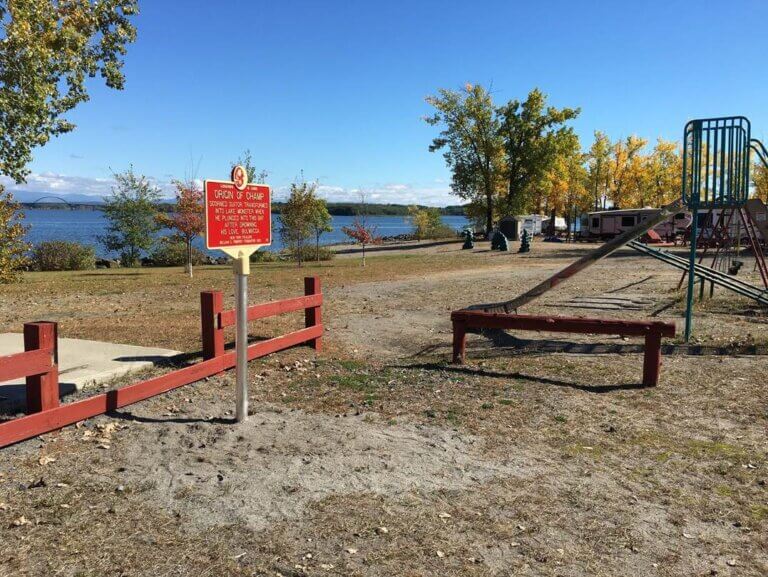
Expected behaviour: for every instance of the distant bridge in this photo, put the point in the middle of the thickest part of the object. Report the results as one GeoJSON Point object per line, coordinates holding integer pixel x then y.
{"type": "Point", "coordinates": [42, 198]}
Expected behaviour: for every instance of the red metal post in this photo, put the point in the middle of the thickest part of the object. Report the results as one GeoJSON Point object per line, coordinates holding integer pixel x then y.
{"type": "Point", "coordinates": [652, 359]}
{"type": "Point", "coordinates": [211, 304]}
{"type": "Point", "coordinates": [459, 341]}
{"type": "Point", "coordinates": [42, 389]}
{"type": "Point", "coordinates": [313, 316]}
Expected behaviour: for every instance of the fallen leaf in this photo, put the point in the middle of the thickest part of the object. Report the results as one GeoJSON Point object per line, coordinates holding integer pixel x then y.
{"type": "Point", "coordinates": [45, 459]}
{"type": "Point", "coordinates": [20, 521]}
{"type": "Point", "coordinates": [440, 554]}
{"type": "Point", "coordinates": [351, 551]}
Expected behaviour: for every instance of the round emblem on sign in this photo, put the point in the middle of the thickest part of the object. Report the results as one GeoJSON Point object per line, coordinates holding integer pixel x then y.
{"type": "Point", "coordinates": [239, 177]}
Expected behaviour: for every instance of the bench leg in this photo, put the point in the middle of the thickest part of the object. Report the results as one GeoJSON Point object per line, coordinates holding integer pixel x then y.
{"type": "Point", "coordinates": [459, 342]}
{"type": "Point", "coordinates": [652, 360]}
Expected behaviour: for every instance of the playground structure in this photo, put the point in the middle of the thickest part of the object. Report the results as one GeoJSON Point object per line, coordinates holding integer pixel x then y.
{"type": "Point", "coordinates": [39, 363]}
{"type": "Point", "coordinates": [464, 321]}
{"type": "Point", "coordinates": [716, 175]}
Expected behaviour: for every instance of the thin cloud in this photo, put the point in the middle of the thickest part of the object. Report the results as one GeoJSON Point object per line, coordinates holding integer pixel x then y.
{"type": "Point", "coordinates": [433, 194]}
{"type": "Point", "coordinates": [62, 184]}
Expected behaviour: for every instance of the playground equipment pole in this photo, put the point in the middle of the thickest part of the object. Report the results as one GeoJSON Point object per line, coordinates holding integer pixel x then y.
{"type": "Point", "coordinates": [691, 273]}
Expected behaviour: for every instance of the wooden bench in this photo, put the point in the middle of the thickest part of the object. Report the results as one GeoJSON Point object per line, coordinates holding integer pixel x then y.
{"type": "Point", "coordinates": [653, 331]}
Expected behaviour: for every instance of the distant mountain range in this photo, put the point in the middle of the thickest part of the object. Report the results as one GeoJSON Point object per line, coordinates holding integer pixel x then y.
{"type": "Point", "coordinates": [89, 202]}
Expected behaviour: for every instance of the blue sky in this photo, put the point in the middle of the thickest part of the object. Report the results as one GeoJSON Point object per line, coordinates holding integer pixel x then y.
{"type": "Point", "coordinates": [336, 89]}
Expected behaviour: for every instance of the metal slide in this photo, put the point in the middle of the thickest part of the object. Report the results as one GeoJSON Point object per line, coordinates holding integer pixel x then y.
{"type": "Point", "coordinates": [704, 272]}
{"type": "Point", "coordinates": [580, 264]}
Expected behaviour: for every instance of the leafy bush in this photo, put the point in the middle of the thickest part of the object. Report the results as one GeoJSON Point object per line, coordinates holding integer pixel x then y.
{"type": "Point", "coordinates": [63, 255]}
{"type": "Point", "coordinates": [264, 256]}
{"type": "Point", "coordinates": [171, 251]}
{"type": "Point", "coordinates": [427, 223]}
{"type": "Point", "coordinates": [310, 253]}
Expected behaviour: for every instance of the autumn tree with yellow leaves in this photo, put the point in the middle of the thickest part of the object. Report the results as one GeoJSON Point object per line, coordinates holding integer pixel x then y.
{"type": "Point", "coordinates": [760, 181]}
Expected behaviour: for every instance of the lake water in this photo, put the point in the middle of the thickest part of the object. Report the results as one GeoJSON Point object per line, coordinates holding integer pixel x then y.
{"type": "Point", "coordinates": [84, 226]}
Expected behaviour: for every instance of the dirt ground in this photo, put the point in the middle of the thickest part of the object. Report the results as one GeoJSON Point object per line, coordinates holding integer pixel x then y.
{"type": "Point", "coordinates": [542, 456]}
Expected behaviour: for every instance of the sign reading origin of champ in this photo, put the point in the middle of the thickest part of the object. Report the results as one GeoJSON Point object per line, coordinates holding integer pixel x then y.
{"type": "Point", "coordinates": [238, 215]}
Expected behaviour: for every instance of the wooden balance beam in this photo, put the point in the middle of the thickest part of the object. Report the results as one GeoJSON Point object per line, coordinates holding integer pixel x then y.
{"type": "Point", "coordinates": [465, 320]}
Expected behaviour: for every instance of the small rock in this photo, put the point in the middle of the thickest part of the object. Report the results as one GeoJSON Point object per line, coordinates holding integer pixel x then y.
{"type": "Point", "coordinates": [382, 530]}
{"type": "Point", "coordinates": [20, 521]}
{"type": "Point", "coordinates": [350, 550]}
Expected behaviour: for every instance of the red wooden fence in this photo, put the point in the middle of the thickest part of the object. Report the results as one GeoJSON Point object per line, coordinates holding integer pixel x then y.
{"type": "Point", "coordinates": [39, 364]}
{"type": "Point", "coordinates": [464, 320]}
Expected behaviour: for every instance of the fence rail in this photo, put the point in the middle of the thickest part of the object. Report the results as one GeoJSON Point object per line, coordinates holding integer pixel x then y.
{"type": "Point", "coordinates": [43, 389]}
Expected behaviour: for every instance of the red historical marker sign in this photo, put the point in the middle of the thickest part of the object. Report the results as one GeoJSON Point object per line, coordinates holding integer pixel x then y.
{"type": "Point", "coordinates": [237, 214]}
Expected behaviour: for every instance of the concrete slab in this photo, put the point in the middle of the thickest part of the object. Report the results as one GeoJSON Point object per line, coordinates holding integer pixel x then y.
{"type": "Point", "coordinates": [82, 363]}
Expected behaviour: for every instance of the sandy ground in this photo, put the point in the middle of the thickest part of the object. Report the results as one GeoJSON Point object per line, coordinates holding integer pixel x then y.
{"type": "Point", "coordinates": [542, 456]}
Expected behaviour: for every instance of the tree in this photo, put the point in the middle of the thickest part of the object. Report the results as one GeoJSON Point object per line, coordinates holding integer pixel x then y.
{"type": "Point", "coordinates": [665, 172]}
{"type": "Point", "coordinates": [13, 248]}
{"type": "Point", "coordinates": [760, 181]}
{"type": "Point", "coordinates": [565, 182]}
{"type": "Point", "coordinates": [531, 133]}
{"type": "Point", "coordinates": [246, 161]}
{"type": "Point", "coordinates": [473, 146]}
{"type": "Point", "coordinates": [623, 169]}
{"type": "Point", "coordinates": [320, 220]}
{"type": "Point", "coordinates": [48, 50]}
{"type": "Point", "coordinates": [427, 222]}
{"type": "Point", "coordinates": [360, 231]}
{"type": "Point", "coordinates": [598, 164]}
{"type": "Point", "coordinates": [187, 217]}
{"type": "Point", "coordinates": [132, 215]}
{"type": "Point", "coordinates": [296, 224]}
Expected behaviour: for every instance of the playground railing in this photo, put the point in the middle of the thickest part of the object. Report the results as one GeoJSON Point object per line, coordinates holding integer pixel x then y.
{"type": "Point", "coordinates": [39, 365]}
{"type": "Point", "coordinates": [653, 331]}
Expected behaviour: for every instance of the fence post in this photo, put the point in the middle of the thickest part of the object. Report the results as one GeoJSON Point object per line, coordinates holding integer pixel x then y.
{"type": "Point", "coordinates": [652, 358]}
{"type": "Point", "coordinates": [459, 341]}
{"type": "Point", "coordinates": [313, 316]}
{"type": "Point", "coordinates": [211, 304]}
{"type": "Point", "coordinates": [43, 390]}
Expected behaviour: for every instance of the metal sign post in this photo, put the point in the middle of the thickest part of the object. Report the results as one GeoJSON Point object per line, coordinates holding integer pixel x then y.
{"type": "Point", "coordinates": [238, 221]}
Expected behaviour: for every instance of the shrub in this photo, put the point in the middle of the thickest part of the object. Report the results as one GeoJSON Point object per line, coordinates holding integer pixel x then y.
{"type": "Point", "coordinates": [63, 255]}
{"type": "Point", "coordinates": [427, 223]}
{"type": "Point", "coordinates": [311, 253]}
{"type": "Point", "coordinates": [264, 256]}
{"type": "Point", "coordinates": [172, 251]}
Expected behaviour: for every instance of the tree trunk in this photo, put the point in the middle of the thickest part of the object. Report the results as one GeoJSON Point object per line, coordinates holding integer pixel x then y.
{"type": "Point", "coordinates": [552, 223]}
{"type": "Point", "coordinates": [189, 257]}
{"type": "Point", "coordinates": [488, 214]}
{"type": "Point", "coordinates": [363, 255]}
{"type": "Point", "coordinates": [317, 247]}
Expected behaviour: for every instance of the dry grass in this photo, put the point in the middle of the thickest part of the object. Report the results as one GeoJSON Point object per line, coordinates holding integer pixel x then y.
{"type": "Point", "coordinates": [594, 475]}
